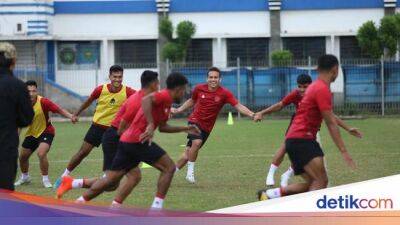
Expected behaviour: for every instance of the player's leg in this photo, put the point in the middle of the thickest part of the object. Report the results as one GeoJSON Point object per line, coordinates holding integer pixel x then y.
{"type": "Point", "coordinates": [23, 158]}
{"type": "Point", "coordinates": [132, 178]}
{"type": "Point", "coordinates": [192, 157]}
{"type": "Point", "coordinates": [42, 151]}
{"type": "Point", "coordinates": [68, 183]}
{"type": "Point", "coordinates": [288, 190]}
{"type": "Point", "coordinates": [276, 162]}
{"type": "Point", "coordinates": [184, 157]}
{"type": "Point", "coordinates": [29, 145]}
{"type": "Point", "coordinates": [315, 169]}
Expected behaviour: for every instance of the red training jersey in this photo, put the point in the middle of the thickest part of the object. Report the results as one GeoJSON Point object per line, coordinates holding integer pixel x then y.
{"type": "Point", "coordinates": [160, 111]}
{"type": "Point", "coordinates": [308, 119]}
{"type": "Point", "coordinates": [133, 104]}
{"type": "Point", "coordinates": [208, 104]}
{"type": "Point", "coordinates": [294, 97]}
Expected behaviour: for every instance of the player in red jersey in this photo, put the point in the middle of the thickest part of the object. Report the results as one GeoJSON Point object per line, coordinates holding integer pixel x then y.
{"type": "Point", "coordinates": [305, 153]}
{"type": "Point", "coordinates": [136, 145]}
{"type": "Point", "coordinates": [124, 117]}
{"type": "Point", "coordinates": [39, 135]}
{"type": "Point", "coordinates": [294, 97]}
{"type": "Point", "coordinates": [207, 100]}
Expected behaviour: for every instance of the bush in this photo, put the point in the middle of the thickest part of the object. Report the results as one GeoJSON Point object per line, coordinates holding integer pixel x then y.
{"type": "Point", "coordinates": [368, 39]}
{"type": "Point", "coordinates": [281, 58]}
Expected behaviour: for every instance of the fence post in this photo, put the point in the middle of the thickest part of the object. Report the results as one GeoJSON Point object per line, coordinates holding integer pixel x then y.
{"type": "Point", "coordinates": [382, 87]}
{"type": "Point", "coordinates": [238, 81]}
{"type": "Point", "coordinates": [167, 67]}
{"type": "Point", "coordinates": [97, 74]}
{"type": "Point", "coordinates": [309, 65]}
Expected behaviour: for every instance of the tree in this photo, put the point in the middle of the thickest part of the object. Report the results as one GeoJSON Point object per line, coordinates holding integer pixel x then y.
{"type": "Point", "coordinates": [176, 49]}
{"type": "Point", "coordinates": [281, 58]}
{"type": "Point", "coordinates": [368, 39]}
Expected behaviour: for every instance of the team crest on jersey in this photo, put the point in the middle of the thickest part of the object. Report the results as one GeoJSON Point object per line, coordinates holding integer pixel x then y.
{"type": "Point", "coordinates": [203, 96]}
{"type": "Point", "coordinates": [217, 99]}
{"type": "Point", "coordinates": [112, 101]}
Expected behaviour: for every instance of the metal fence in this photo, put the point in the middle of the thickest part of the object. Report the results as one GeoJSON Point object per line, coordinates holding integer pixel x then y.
{"type": "Point", "coordinates": [364, 87]}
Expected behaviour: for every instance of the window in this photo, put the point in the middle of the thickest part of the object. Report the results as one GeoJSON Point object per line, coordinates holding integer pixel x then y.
{"type": "Point", "coordinates": [200, 52]}
{"type": "Point", "coordinates": [251, 51]}
{"type": "Point", "coordinates": [78, 55]}
{"type": "Point", "coordinates": [303, 47]}
{"type": "Point", "coordinates": [349, 49]}
{"type": "Point", "coordinates": [136, 53]}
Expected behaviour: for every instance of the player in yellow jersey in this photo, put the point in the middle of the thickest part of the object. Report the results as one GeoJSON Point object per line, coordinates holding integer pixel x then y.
{"type": "Point", "coordinates": [39, 135]}
{"type": "Point", "coordinates": [109, 99]}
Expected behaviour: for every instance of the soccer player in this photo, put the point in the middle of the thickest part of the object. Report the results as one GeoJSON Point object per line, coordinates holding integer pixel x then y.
{"type": "Point", "coordinates": [136, 145]}
{"type": "Point", "coordinates": [207, 99]}
{"type": "Point", "coordinates": [109, 99]}
{"type": "Point", "coordinates": [304, 151]}
{"type": "Point", "coordinates": [40, 135]}
{"type": "Point", "coordinates": [150, 84]}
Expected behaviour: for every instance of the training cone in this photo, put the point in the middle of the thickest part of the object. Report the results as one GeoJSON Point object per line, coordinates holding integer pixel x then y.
{"type": "Point", "coordinates": [230, 118]}
{"type": "Point", "coordinates": [145, 165]}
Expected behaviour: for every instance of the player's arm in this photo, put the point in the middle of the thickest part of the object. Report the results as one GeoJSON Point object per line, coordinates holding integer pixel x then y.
{"type": "Point", "coordinates": [352, 130]}
{"type": "Point", "coordinates": [164, 127]}
{"type": "Point", "coordinates": [273, 108]}
{"type": "Point", "coordinates": [123, 125]}
{"type": "Point", "coordinates": [244, 110]}
{"type": "Point", "coordinates": [84, 106]}
{"type": "Point", "coordinates": [147, 106]}
{"type": "Point", "coordinates": [185, 106]}
{"type": "Point", "coordinates": [68, 115]}
{"type": "Point", "coordinates": [330, 120]}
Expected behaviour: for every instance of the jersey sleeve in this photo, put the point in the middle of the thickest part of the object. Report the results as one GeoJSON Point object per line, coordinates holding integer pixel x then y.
{"type": "Point", "coordinates": [96, 93]}
{"type": "Point", "coordinates": [129, 91]}
{"type": "Point", "coordinates": [290, 98]}
{"type": "Point", "coordinates": [50, 106]}
{"type": "Point", "coordinates": [160, 97]}
{"type": "Point", "coordinates": [195, 93]}
{"type": "Point", "coordinates": [324, 100]}
{"type": "Point", "coordinates": [230, 98]}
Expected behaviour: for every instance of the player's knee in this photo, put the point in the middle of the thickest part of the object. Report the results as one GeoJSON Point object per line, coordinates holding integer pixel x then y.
{"type": "Point", "coordinates": [196, 144]}
{"type": "Point", "coordinates": [41, 155]}
{"type": "Point", "coordinates": [322, 181]}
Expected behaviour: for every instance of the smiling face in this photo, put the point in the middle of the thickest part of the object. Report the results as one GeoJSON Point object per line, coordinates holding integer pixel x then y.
{"type": "Point", "coordinates": [116, 79]}
{"type": "Point", "coordinates": [213, 79]}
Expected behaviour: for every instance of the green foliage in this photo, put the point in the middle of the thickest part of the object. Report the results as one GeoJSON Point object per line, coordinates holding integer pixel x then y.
{"type": "Point", "coordinates": [368, 39]}
{"type": "Point", "coordinates": [281, 58]}
{"type": "Point", "coordinates": [388, 34]}
{"type": "Point", "coordinates": [175, 49]}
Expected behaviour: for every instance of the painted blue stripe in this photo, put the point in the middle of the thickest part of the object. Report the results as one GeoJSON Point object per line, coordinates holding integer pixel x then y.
{"type": "Point", "coordinates": [64, 89]}
{"type": "Point", "coordinates": [24, 4]}
{"type": "Point", "coordinates": [90, 7]}
{"type": "Point", "coordinates": [51, 60]}
{"type": "Point", "coordinates": [330, 4]}
{"type": "Point", "coordinates": [37, 27]}
{"type": "Point", "coordinates": [38, 21]}
{"type": "Point", "coordinates": [26, 13]}
{"type": "Point", "coordinates": [218, 5]}
{"type": "Point", "coordinates": [37, 32]}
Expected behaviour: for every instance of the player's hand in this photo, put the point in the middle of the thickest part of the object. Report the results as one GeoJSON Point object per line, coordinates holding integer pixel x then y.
{"type": "Point", "coordinates": [193, 129]}
{"type": "Point", "coordinates": [257, 117]}
{"type": "Point", "coordinates": [74, 119]}
{"type": "Point", "coordinates": [355, 132]}
{"type": "Point", "coordinates": [148, 134]}
{"type": "Point", "coordinates": [174, 111]}
{"type": "Point", "coordinates": [347, 158]}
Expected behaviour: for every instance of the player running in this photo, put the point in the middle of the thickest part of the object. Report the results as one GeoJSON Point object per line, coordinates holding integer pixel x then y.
{"type": "Point", "coordinates": [109, 99]}
{"type": "Point", "coordinates": [150, 83]}
{"type": "Point", "coordinates": [136, 145]}
{"type": "Point", "coordinates": [39, 135]}
{"type": "Point", "coordinates": [207, 100]}
{"type": "Point", "coordinates": [294, 97]}
{"type": "Point", "coordinates": [305, 153]}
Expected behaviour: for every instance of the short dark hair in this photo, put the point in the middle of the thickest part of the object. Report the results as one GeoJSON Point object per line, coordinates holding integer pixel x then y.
{"type": "Point", "coordinates": [5, 62]}
{"type": "Point", "coordinates": [304, 79]}
{"type": "Point", "coordinates": [176, 79]}
{"type": "Point", "coordinates": [31, 83]}
{"type": "Point", "coordinates": [215, 69]}
{"type": "Point", "coordinates": [327, 62]}
{"type": "Point", "coordinates": [148, 77]}
{"type": "Point", "coordinates": [116, 68]}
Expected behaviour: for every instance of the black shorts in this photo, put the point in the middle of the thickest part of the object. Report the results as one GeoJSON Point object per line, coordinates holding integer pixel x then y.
{"type": "Point", "coordinates": [203, 136]}
{"type": "Point", "coordinates": [32, 143]}
{"type": "Point", "coordinates": [110, 146]}
{"type": "Point", "coordinates": [129, 155]}
{"type": "Point", "coordinates": [94, 135]}
{"type": "Point", "coordinates": [301, 152]}
{"type": "Point", "coordinates": [290, 124]}
{"type": "Point", "coordinates": [8, 173]}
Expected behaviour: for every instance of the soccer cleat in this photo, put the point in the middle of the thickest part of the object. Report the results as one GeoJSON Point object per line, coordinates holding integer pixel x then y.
{"type": "Point", "coordinates": [57, 183]}
{"type": "Point", "coordinates": [65, 186]}
{"type": "Point", "coordinates": [262, 195]}
{"type": "Point", "coordinates": [22, 181]}
{"type": "Point", "coordinates": [47, 184]}
{"type": "Point", "coordinates": [270, 180]}
{"type": "Point", "coordinates": [190, 178]}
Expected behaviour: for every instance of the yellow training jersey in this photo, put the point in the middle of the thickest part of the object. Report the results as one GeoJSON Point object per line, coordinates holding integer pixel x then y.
{"type": "Point", "coordinates": [39, 122]}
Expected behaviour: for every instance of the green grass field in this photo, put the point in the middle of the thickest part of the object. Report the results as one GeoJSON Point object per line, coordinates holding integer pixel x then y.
{"type": "Point", "coordinates": [232, 165]}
